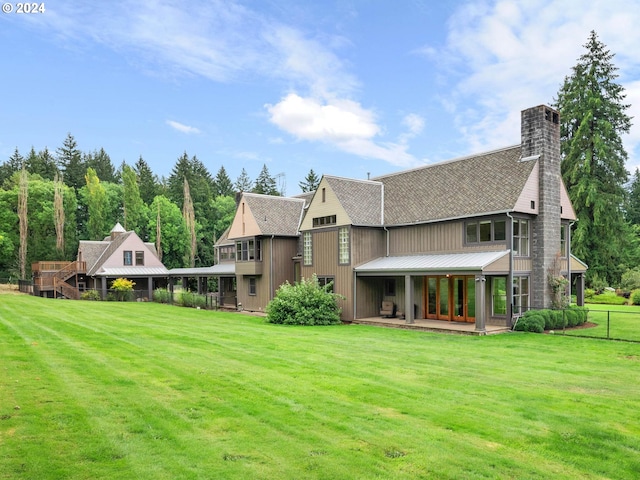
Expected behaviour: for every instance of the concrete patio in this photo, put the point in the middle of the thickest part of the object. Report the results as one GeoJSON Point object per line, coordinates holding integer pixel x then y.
{"type": "Point", "coordinates": [462, 328]}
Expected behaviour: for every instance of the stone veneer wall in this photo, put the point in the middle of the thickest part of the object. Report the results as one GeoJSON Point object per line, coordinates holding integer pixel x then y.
{"type": "Point", "coordinates": [540, 127]}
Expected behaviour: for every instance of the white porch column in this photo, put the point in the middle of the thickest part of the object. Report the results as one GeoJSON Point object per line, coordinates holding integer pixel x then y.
{"type": "Point", "coordinates": [480, 303]}
{"type": "Point", "coordinates": [408, 298]}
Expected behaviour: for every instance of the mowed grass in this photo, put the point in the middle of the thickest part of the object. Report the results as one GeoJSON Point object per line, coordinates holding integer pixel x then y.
{"type": "Point", "coordinates": [146, 391]}
{"type": "Point", "coordinates": [623, 322]}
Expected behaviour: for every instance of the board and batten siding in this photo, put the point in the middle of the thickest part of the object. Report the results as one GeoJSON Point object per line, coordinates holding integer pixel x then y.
{"type": "Point", "coordinates": [325, 264]}
{"type": "Point", "coordinates": [366, 244]}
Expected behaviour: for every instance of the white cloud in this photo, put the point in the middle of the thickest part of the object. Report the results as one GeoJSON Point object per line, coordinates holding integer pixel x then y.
{"type": "Point", "coordinates": [506, 56]}
{"type": "Point", "coordinates": [341, 123]}
{"type": "Point", "coordinates": [182, 128]}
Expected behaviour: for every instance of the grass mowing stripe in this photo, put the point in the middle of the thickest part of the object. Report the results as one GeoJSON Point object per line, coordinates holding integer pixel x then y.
{"type": "Point", "coordinates": [195, 394]}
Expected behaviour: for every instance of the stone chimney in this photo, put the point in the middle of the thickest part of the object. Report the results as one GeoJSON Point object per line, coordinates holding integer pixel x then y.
{"type": "Point", "coordinates": [540, 129]}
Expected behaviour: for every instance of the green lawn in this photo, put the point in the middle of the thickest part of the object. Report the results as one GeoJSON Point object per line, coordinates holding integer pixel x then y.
{"type": "Point", "coordinates": [146, 391]}
{"type": "Point", "coordinates": [621, 322]}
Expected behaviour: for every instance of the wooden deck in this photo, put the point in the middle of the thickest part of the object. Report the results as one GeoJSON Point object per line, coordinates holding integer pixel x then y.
{"type": "Point", "coordinates": [462, 328]}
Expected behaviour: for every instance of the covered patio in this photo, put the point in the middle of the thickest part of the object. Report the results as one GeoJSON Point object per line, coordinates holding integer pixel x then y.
{"type": "Point", "coordinates": [462, 328]}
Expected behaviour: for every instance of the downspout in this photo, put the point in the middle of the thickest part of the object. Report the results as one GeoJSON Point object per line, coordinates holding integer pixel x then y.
{"type": "Point", "coordinates": [387, 230]}
{"type": "Point", "coordinates": [569, 260]}
{"type": "Point", "coordinates": [272, 293]}
{"type": "Point", "coordinates": [511, 272]}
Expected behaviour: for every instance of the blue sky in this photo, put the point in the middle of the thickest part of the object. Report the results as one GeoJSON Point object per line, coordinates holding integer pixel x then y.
{"type": "Point", "coordinates": [347, 87]}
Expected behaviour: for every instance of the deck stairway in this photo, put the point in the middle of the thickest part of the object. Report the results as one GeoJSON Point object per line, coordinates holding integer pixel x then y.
{"type": "Point", "coordinates": [60, 278]}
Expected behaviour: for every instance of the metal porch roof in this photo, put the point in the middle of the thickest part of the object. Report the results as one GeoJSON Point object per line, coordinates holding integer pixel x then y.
{"type": "Point", "coordinates": [228, 268]}
{"type": "Point", "coordinates": [475, 261]}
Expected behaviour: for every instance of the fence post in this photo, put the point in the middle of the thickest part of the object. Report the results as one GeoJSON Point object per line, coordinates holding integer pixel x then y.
{"type": "Point", "coordinates": [608, 319]}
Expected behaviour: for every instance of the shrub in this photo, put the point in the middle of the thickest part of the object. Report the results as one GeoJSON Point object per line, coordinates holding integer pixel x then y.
{"type": "Point", "coordinates": [630, 280]}
{"type": "Point", "coordinates": [305, 303]}
{"type": "Point", "coordinates": [190, 299]}
{"type": "Point", "coordinates": [122, 289]}
{"type": "Point", "coordinates": [161, 295]}
{"type": "Point", "coordinates": [581, 313]}
{"type": "Point", "coordinates": [91, 295]}
{"type": "Point", "coordinates": [635, 297]}
{"type": "Point", "coordinates": [589, 292]}
{"type": "Point", "coordinates": [608, 298]}
{"type": "Point", "coordinates": [534, 322]}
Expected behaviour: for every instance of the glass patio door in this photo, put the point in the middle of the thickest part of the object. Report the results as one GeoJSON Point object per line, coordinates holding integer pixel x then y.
{"type": "Point", "coordinates": [450, 298]}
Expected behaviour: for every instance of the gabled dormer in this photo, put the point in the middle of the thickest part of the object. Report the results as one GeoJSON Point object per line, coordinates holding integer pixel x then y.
{"type": "Point", "coordinates": [343, 201]}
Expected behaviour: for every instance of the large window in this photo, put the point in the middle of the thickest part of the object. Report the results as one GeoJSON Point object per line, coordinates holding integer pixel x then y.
{"type": "Point", "coordinates": [248, 250]}
{"type": "Point", "coordinates": [521, 238]}
{"type": "Point", "coordinates": [127, 258]}
{"type": "Point", "coordinates": [520, 294]}
{"type": "Point", "coordinates": [307, 252]}
{"type": "Point", "coordinates": [485, 231]}
{"type": "Point", "coordinates": [343, 245]}
{"type": "Point", "coordinates": [227, 252]}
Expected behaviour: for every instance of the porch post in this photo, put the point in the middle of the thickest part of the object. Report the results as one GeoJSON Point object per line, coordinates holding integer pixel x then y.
{"type": "Point", "coordinates": [104, 288]}
{"type": "Point", "coordinates": [579, 290]}
{"type": "Point", "coordinates": [408, 299]}
{"type": "Point", "coordinates": [480, 303]}
{"type": "Point", "coordinates": [150, 286]}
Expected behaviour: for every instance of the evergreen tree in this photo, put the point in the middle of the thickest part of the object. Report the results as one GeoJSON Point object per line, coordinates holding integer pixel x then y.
{"type": "Point", "coordinates": [222, 184]}
{"type": "Point", "coordinates": [100, 161]}
{"type": "Point", "coordinates": [71, 164]}
{"type": "Point", "coordinates": [593, 117]}
{"type": "Point", "coordinates": [148, 183]}
{"type": "Point", "coordinates": [633, 200]}
{"type": "Point", "coordinates": [12, 165]}
{"type": "Point", "coordinates": [42, 164]}
{"type": "Point", "coordinates": [243, 182]}
{"type": "Point", "coordinates": [265, 183]}
{"type": "Point", "coordinates": [310, 183]}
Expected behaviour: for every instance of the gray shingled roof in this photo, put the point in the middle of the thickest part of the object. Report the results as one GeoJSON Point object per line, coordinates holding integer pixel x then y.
{"type": "Point", "coordinates": [470, 186]}
{"type": "Point", "coordinates": [275, 215]}
{"type": "Point", "coordinates": [95, 253]}
{"type": "Point", "coordinates": [361, 199]}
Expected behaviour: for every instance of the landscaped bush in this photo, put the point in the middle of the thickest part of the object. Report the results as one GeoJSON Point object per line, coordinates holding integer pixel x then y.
{"type": "Point", "coordinates": [533, 322]}
{"type": "Point", "coordinates": [190, 299]}
{"type": "Point", "coordinates": [630, 280]}
{"type": "Point", "coordinates": [91, 295]}
{"type": "Point", "coordinates": [635, 297]}
{"type": "Point", "coordinates": [607, 298]}
{"type": "Point", "coordinates": [161, 295]}
{"type": "Point", "coordinates": [305, 303]}
{"type": "Point", "coordinates": [122, 289]}
{"type": "Point", "coordinates": [548, 319]}
{"type": "Point", "coordinates": [589, 292]}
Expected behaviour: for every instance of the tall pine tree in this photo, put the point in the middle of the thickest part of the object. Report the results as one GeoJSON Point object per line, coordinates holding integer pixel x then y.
{"type": "Point", "coordinates": [310, 183]}
{"type": "Point", "coordinates": [265, 183]}
{"type": "Point", "coordinates": [593, 117]}
{"type": "Point", "coordinates": [71, 164]}
{"type": "Point", "coordinates": [222, 183]}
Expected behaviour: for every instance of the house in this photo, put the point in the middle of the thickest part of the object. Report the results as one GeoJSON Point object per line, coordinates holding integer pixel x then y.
{"type": "Point", "coordinates": [120, 255]}
{"type": "Point", "coordinates": [265, 233]}
{"type": "Point", "coordinates": [474, 239]}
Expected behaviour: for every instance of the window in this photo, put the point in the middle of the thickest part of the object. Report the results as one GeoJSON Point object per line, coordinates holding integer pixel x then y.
{"type": "Point", "coordinates": [307, 249]}
{"type": "Point", "coordinates": [248, 250]}
{"type": "Point", "coordinates": [520, 294]}
{"type": "Point", "coordinates": [390, 287]}
{"type": "Point", "coordinates": [227, 253]}
{"type": "Point", "coordinates": [326, 282]}
{"type": "Point", "coordinates": [521, 238]}
{"type": "Point", "coordinates": [322, 221]}
{"type": "Point", "coordinates": [324, 195]}
{"type": "Point", "coordinates": [127, 258]}
{"type": "Point", "coordinates": [139, 257]}
{"type": "Point", "coordinates": [252, 285]}
{"type": "Point", "coordinates": [486, 231]}
{"type": "Point", "coordinates": [499, 295]}
{"type": "Point", "coordinates": [343, 245]}
{"type": "Point", "coordinates": [563, 240]}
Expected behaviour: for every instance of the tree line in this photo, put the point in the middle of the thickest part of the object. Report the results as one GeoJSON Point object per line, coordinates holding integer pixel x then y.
{"type": "Point", "coordinates": [49, 202]}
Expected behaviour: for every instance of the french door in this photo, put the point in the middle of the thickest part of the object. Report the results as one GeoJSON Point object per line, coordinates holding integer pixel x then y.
{"type": "Point", "coordinates": [450, 297]}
